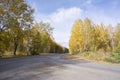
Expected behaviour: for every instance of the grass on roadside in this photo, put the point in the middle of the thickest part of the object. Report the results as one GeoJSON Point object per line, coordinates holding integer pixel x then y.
{"type": "Point", "coordinates": [114, 58]}
{"type": "Point", "coordinates": [97, 56]}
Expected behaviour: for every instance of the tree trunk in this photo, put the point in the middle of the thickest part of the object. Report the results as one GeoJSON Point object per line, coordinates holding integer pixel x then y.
{"type": "Point", "coordinates": [15, 47]}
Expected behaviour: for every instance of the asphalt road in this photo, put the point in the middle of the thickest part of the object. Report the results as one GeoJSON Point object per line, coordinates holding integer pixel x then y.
{"type": "Point", "coordinates": [54, 68]}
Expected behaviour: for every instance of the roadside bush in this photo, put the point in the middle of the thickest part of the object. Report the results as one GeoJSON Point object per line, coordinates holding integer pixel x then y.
{"type": "Point", "coordinates": [114, 58]}
{"type": "Point", "coordinates": [33, 52]}
{"type": "Point", "coordinates": [117, 50]}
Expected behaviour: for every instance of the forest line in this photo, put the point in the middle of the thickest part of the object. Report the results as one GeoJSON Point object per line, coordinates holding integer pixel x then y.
{"type": "Point", "coordinates": [95, 41]}
{"type": "Point", "coordinates": [21, 35]}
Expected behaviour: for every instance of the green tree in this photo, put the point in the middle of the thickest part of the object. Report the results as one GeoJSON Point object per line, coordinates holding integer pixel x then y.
{"type": "Point", "coordinates": [41, 33]}
{"type": "Point", "coordinates": [15, 16]}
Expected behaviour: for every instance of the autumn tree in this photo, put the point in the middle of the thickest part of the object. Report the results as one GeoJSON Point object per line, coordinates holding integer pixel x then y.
{"type": "Point", "coordinates": [77, 37]}
{"type": "Point", "coordinates": [86, 36]}
{"type": "Point", "coordinates": [117, 38]}
{"type": "Point", "coordinates": [111, 42]}
{"type": "Point", "coordinates": [82, 36]}
{"type": "Point", "coordinates": [41, 33]}
{"type": "Point", "coordinates": [42, 40]}
{"type": "Point", "coordinates": [16, 15]}
{"type": "Point", "coordinates": [102, 37]}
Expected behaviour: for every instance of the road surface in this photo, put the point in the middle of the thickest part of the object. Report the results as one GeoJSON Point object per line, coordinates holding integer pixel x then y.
{"type": "Point", "coordinates": [54, 68]}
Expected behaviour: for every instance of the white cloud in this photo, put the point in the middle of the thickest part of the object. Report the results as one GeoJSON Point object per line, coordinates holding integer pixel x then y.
{"type": "Point", "coordinates": [100, 16]}
{"type": "Point", "coordinates": [62, 14]}
{"type": "Point", "coordinates": [62, 20]}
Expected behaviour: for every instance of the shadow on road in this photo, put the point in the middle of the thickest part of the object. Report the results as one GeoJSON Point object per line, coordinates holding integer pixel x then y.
{"type": "Point", "coordinates": [45, 67]}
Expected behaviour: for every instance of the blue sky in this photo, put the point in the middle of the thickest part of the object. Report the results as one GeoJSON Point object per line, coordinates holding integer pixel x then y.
{"type": "Point", "coordinates": [61, 14]}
